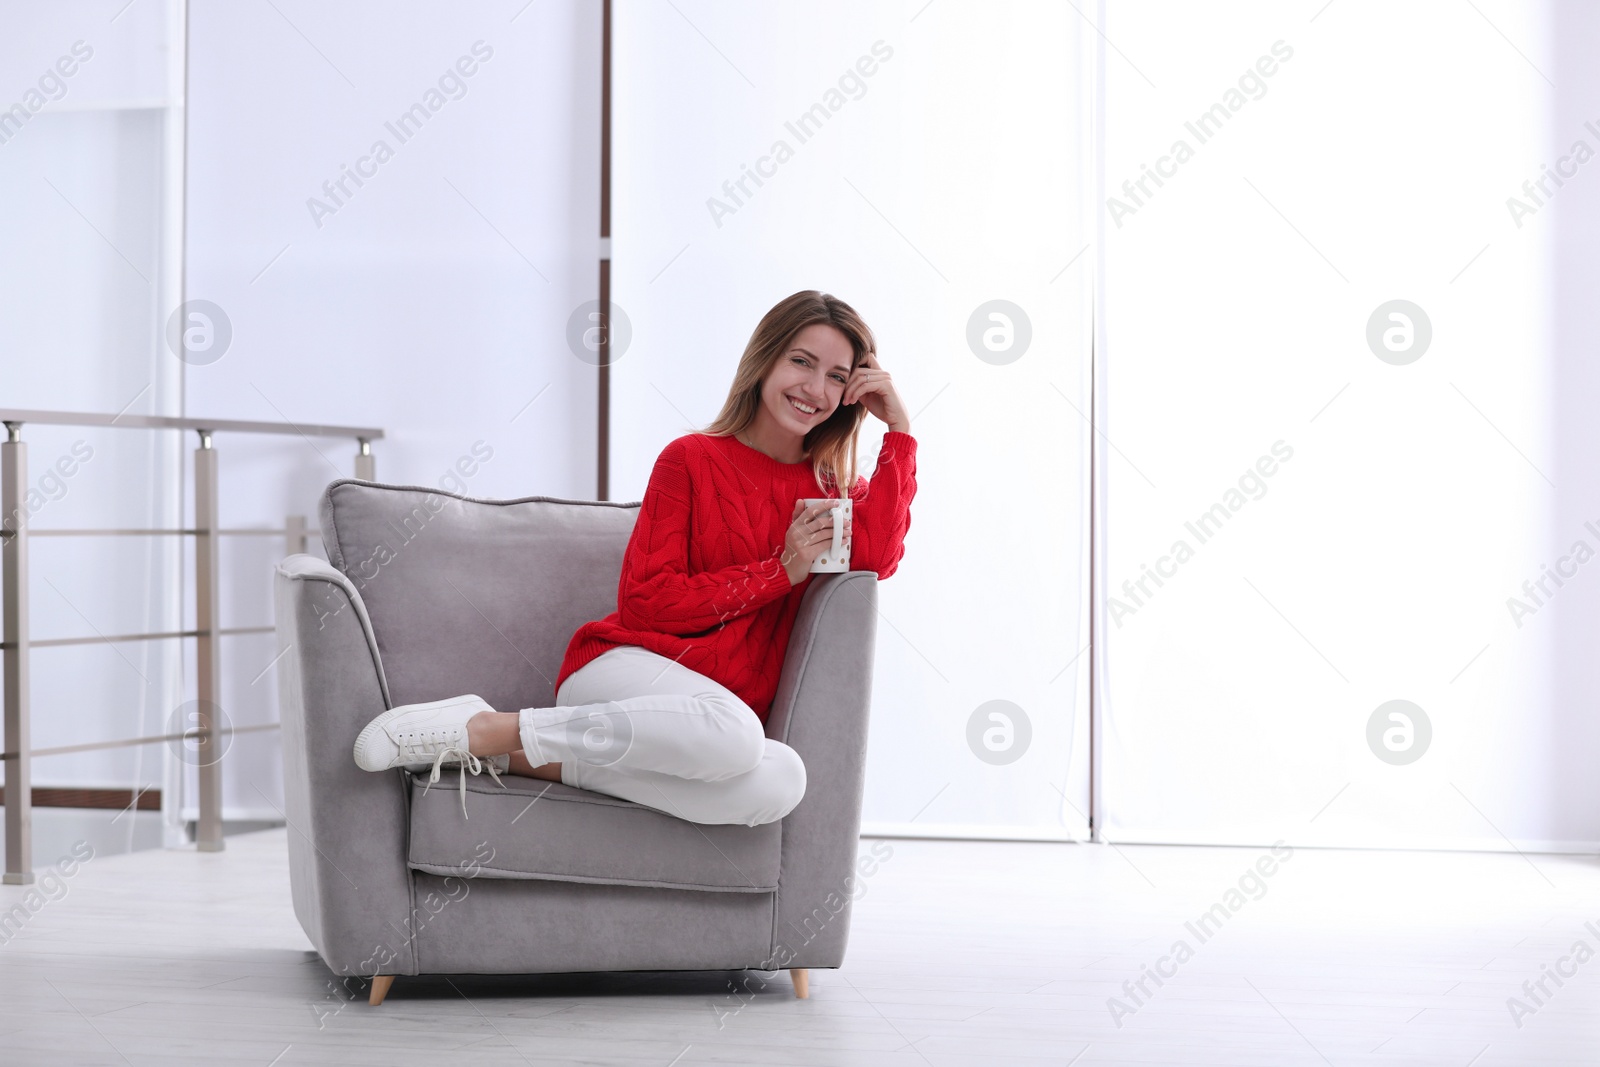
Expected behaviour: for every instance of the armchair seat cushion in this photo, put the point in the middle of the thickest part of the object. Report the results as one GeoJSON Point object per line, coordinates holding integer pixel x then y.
{"type": "Point", "coordinates": [546, 830]}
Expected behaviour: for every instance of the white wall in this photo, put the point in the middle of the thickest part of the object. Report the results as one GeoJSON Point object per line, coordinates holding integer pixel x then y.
{"type": "Point", "coordinates": [85, 262]}
{"type": "Point", "coordinates": [943, 179]}
{"type": "Point", "coordinates": [432, 303]}
{"type": "Point", "coordinates": [1377, 565]}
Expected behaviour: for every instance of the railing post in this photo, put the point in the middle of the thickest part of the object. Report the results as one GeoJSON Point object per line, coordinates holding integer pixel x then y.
{"type": "Point", "coordinates": [208, 649]}
{"type": "Point", "coordinates": [294, 530]}
{"type": "Point", "coordinates": [14, 576]}
{"type": "Point", "coordinates": [366, 462]}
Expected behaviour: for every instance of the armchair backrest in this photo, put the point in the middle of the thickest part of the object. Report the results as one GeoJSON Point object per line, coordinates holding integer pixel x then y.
{"type": "Point", "coordinates": [474, 596]}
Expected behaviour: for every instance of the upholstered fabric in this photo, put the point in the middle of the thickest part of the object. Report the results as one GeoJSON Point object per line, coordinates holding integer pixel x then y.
{"type": "Point", "coordinates": [496, 926]}
{"type": "Point", "coordinates": [436, 597]}
{"type": "Point", "coordinates": [538, 829]}
{"type": "Point", "coordinates": [821, 711]}
{"type": "Point", "coordinates": [347, 828]}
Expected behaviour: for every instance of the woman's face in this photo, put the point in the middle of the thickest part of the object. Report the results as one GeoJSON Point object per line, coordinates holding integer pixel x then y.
{"type": "Point", "coordinates": [813, 373]}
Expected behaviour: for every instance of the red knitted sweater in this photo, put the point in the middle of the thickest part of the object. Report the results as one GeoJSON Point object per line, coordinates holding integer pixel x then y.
{"type": "Point", "coordinates": [701, 583]}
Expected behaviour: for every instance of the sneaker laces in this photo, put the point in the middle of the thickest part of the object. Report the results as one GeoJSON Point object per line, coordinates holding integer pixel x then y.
{"type": "Point", "coordinates": [455, 753]}
{"type": "Point", "coordinates": [421, 745]}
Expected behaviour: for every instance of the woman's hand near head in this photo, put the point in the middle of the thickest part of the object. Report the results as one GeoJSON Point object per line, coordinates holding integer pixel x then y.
{"type": "Point", "coordinates": [871, 385]}
{"type": "Point", "coordinates": [810, 532]}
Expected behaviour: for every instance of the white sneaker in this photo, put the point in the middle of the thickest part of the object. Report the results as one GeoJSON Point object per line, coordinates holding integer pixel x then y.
{"type": "Point", "coordinates": [413, 736]}
{"type": "Point", "coordinates": [417, 736]}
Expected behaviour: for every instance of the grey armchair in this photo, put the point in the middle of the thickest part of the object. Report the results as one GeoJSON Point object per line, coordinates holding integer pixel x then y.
{"type": "Point", "coordinates": [429, 595]}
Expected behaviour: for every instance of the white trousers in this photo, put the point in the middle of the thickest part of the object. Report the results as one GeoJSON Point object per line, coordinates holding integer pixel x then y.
{"type": "Point", "coordinates": [639, 726]}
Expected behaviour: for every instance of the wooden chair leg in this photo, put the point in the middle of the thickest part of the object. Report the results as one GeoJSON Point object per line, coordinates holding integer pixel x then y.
{"type": "Point", "coordinates": [802, 982]}
{"type": "Point", "coordinates": [380, 988]}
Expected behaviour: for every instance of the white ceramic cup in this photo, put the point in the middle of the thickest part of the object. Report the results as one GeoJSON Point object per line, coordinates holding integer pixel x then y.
{"type": "Point", "coordinates": [836, 557]}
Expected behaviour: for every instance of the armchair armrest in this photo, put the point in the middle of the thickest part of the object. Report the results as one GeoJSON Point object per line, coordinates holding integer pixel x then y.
{"type": "Point", "coordinates": [351, 888]}
{"type": "Point", "coordinates": [820, 710]}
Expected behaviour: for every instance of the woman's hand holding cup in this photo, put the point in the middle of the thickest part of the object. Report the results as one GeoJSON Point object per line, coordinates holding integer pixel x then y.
{"type": "Point", "coordinates": [810, 534]}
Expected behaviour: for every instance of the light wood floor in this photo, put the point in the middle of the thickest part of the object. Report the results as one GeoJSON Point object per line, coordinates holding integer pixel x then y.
{"type": "Point", "coordinates": [961, 953]}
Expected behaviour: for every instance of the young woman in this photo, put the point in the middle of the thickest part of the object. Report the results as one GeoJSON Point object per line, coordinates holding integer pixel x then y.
{"type": "Point", "coordinates": [663, 701]}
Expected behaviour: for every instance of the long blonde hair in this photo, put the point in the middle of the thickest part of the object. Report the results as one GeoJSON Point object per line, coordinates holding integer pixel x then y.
{"type": "Point", "coordinates": [832, 443]}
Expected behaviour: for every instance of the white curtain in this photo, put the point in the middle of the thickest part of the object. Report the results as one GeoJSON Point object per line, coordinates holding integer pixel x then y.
{"type": "Point", "coordinates": [942, 168]}
{"type": "Point", "coordinates": [1349, 399]}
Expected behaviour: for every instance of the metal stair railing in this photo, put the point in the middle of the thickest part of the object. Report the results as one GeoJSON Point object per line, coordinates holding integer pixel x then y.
{"type": "Point", "coordinates": [15, 642]}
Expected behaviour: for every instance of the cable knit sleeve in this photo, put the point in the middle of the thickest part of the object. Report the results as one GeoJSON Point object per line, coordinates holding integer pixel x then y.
{"type": "Point", "coordinates": [883, 507]}
{"type": "Point", "coordinates": [657, 591]}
